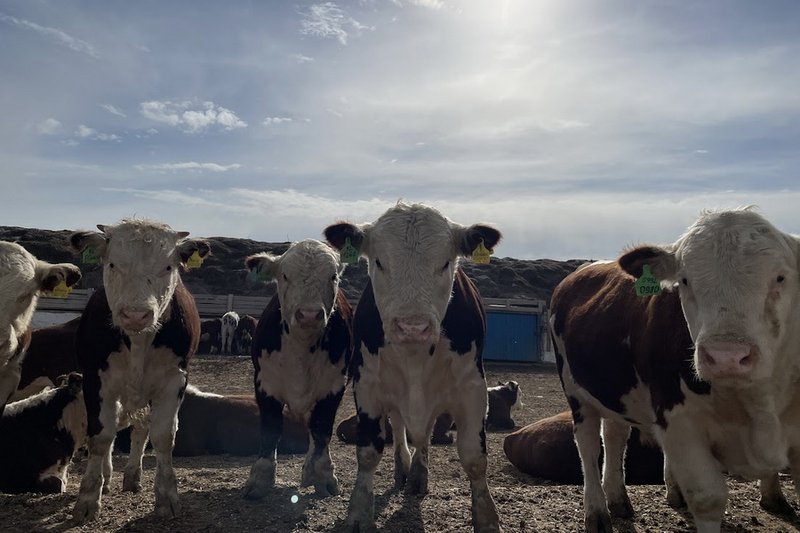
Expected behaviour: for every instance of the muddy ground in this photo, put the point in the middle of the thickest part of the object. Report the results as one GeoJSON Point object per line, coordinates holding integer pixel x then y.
{"type": "Point", "coordinates": [211, 486]}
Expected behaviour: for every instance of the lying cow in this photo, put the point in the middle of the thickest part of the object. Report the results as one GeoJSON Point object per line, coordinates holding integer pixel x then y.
{"type": "Point", "coordinates": [134, 342]}
{"type": "Point", "coordinates": [22, 279]}
{"type": "Point", "coordinates": [503, 399]}
{"type": "Point", "coordinates": [230, 321]}
{"type": "Point", "coordinates": [546, 450]}
{"type": "Point", "coordinates": [210, 336]}
{"type": "Point", "coordinates": [347, 430]}
{"type": "Point", "coordinates": [243, 336]}
{"type": "Point", "coordinates": [300, 355]}
{"type": "Point", "coordinates": [719, 395]}
{"type": "Point", "coordinates": [418, 332]}
{"type": "Point", "coordinates": [40, 435]}
{"type": "Point", "coordinates": [51, 352]}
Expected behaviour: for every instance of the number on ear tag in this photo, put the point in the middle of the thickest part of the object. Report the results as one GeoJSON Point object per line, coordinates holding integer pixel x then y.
{"type": "Point", "coordinates": [194, 261]}
{"type": "Point", "coordinates": [89, 256]}
{"type": "Point", "coordinates": [348, 253]}
{"type": "Point", "coordinates": [61, 290]}
{"type": "Point", "coordinates": [647, 284]}
{"type": "Point", "coordinates": [481, 254]}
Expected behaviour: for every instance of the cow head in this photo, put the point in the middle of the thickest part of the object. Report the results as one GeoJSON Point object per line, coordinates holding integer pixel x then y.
{"type": "Point", "coordinates": [307, 275]}
{"type": "Point", "coordinates": [22, 279]}
{"type": "Point", "coordinates": [413, 251]}
{"type": "Point", "coordinates": [737, 277]}
{"type": "Point", "coordinates": [141, 262]}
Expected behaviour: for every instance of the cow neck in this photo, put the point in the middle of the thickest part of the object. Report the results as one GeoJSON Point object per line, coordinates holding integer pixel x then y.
{"type": "Point", "coordinates": [305, 342]}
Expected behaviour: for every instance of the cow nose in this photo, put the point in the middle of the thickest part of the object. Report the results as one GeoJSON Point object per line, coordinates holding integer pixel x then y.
{"type": "Point", "coordinates": [413, 329]}
{"type": "Point", "coordinates": [136, 319]}
{"type": "Point", "coordinates": [727, 359]}
{"type": "Point", "coordinates": [308, 316]}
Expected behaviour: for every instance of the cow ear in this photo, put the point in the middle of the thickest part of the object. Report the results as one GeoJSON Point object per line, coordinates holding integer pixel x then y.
{"type": "Point", "coordinates": [338, 234]}
{"type": "Point", "coordinates": [265, 265]}
{"type": "Point", "coordinates": [81, 240]}
{"type": "Point", "coordinates": [468, 238]}
{"type": "Point", "coordinates": [661, 261]}
{"type": "Point", "coordinates": [187, 247]}
{"type": "Point", "coordinates": [52, 275]}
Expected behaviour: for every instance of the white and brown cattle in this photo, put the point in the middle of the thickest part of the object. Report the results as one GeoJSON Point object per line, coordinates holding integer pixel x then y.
{"type": "Point", "coordinates": [47, 429]}
{"type": "Point", "coordinates": [720, 395]}
{"type": "Point", "coordinates": [134, 342]}
{"type": "Point", "coordinates": [418, 331]}
{"type": "Point", "coordinates": [22, 279]}
{"type": "Point", "coordinates": [51, 352]}
{"type": "Point", "coordinates": [503, 400]}
{"type": "Point", "coordinates": [230, 321]}
{"type": "Point", "coordinates": [300, 355]}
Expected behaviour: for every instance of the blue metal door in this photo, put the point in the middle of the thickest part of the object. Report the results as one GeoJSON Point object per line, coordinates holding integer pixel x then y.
{"type": "Point", "coordinates": [511, 337]}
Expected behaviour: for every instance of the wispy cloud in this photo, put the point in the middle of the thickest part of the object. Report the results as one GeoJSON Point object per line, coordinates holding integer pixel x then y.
{"type": "Point", "coordinates": [300, 58]}
{"type": "Point", "coordinates": [48, 126]}
{"type": "Point", "coordinates": [430, 4]}
{"type": "Point", "coordinates": [54, 34]}
{"type": "Point", "coordinates": [113, 110]}
{"type": "Point", "coordinates": [192, 117]}
{"type": "Point", "coordinates": [328, 20]}
{"type": "Point", "coordinates": [269, 121]}
{"type": "Point", "coordinates": [85, 132]}
{"type": "Point", "coordinates": [191, 166]}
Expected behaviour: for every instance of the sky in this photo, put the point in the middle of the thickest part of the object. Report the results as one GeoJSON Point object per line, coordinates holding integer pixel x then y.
{"type": "Point", "coordinates": [577, 127]}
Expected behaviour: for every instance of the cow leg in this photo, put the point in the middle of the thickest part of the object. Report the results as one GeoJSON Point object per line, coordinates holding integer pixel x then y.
{"type": "Point", "coordinates": [262, 474]}
{"type": "Point", "coordinates": [587, 438]}
{"type": "Point", "coordinates": [470, 418]}
{"type": "Point", "coordinates": [163, 426]}
{"type": "Point", "coordinates": [402, 455]}
{"type": "Point", "coordinates": [318, 469]}
{"type": "Point", "coordinates": [108, 470]}
{"type": "Point", "coordinates": [369, 448]}
{"type": "Point", "coordinates": [102, 425]}
{"type": "Point", "coordinates": [10, 374]}
{"type": "Point", "coordinates": [132, 480]}
{"type": "Point", "coordinates": [615, 439]}
{"type": "Point", "coordinates": [772, 498]}
{"type": "Point", "coordinates": [674, 496]}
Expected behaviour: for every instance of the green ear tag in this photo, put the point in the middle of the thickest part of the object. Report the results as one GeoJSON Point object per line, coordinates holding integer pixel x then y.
{"type": "Point", "coordinates": [481, 254]}
{"type": "Point", "coordinates": [89, 256]}
{"type": "Point", "coordinates": [647, 284]}
{"type": "Point", "coordinates": [348, 253]}
{"type": "Point", "coordinates": [194, 261]}
{"type": "Point", "coordinates": [61, 290]}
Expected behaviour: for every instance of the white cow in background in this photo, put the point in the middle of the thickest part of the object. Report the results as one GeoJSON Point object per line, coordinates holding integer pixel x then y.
{"type": "Point", "coordinates": [230, 321]}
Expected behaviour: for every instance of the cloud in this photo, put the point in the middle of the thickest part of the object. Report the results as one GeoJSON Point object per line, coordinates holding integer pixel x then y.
{"type": "Point", "coordinates": [54, 34]}
{"type": "Point", "coordinates": [113, 110]}
{"type": "Point", "coordinates": [191, 166]}
{"type": "Point", "coordinates": [329, 20]}
{"type": "Point", "coordinates": [276, 120]}
{"type": "Point", "coordinates": [300, 58]}
{"type": "Point", "coordinates": [48, 126]}
{"type": "Point", "coordinates": [192, 117]}
{"type": "Point", "coordinates": [85, 132]}
{"type": "Point", "coordinates": [430, 4]}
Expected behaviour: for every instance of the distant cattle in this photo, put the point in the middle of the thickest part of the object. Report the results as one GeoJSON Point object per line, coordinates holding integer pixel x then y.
{"type": "Point", "coordinates": [230, 321]}
{"type": "Point", "coordinates": [503, 399]}
{"type": "Point", "coordinates": [210, 336]}
{"type": "Point", "coordinates": [347, 430]}
{"type": "Point", "coordinates": [134, 342]}
{"type": "Point", "coordinates": [709, 365]}
{"type": "Point", "coordinates": [546, 450]}
{"type": "Point", "coordinates": [243, 337]}
{"type": "Point", "coordinates": [300, 356]}
{"type": "Point", "coordinates": [51, 353]}
{"type": "Point", "coordinates": [40, 435]}
{"type": "Point", "coordinates": [419, 330]}
{"type": "Point", "coordinates": [22, 279]}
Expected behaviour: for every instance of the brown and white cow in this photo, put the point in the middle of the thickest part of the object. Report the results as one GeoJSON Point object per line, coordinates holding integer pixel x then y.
{"type": "Point", "coordinates": [22, 279]}
{"type": "Point", "coordinates": [47, 429]}
{"type": "Point", "coordinates": [300, 355]}
{"type": "Point", "coordinates": [229, 322]}
{"type": "Point", "coordinates": [503, 400]}
{"type": "Point", "coordinates": [134, 342]}
{"type": "Point", "coordinates": [418, 332]}
{"type": "Point", "coordinates": [720, 395]}
{"type": "Point", "coordinates": [51, 352]}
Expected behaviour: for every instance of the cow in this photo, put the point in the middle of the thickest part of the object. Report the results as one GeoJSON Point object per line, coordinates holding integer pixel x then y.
{"type": "Point", "coordinates": [210, 336]}
{"type": "Point", "coordinates": [546, 450]}
{"type": "Point", "coordinates": [22, 279]}
{"type": "Point", "coordinates": [419, 329]}
{"type": "Point", "coordinates": [47, 429]}
{"type": "Point", "coordinates": [503, 399]}
{"type": "Point", "coordinates": [243, 337]}
{"type": "Point", "coordinates": [300, 353]}
{"type": "Point", "coordinates": [229, 322]}
{"type": "Point", "coordinates": [708, 365]}
{"type": "Point", "coordinates": [134, 342]}
{"type": "Point", "coordinates": [51, 352]}
{"type": "Point", "coordinates": [347, 430]}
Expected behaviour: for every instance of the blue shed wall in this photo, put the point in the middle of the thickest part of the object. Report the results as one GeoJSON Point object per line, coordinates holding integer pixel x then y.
{"type": "Point", "coordinates": [512, 337]}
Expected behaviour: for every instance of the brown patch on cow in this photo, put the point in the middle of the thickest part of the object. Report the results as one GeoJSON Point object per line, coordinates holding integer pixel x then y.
{"type": "Point", "coordinates": [347, 430]}
{"type": "Point", "coordinates": [51, 352]}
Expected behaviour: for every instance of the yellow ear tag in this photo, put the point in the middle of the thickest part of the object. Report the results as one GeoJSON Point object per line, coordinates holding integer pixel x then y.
{"type": "Point", "coordinates": [481, 254]}
{"type": "Point", "coordinates": [61, 290]}
{"type": "Point", "coordinates": [194, 261]}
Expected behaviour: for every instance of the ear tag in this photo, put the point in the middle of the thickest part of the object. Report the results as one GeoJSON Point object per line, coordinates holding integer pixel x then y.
{"type": "Point", "coordinates": [89, 256]}
{"type": "Point", "coordinates": [348, 253]}
{"type": "Point", "coordinates": [647, 284]}
{"type": "Point", "coordinates": [194, 261]}
{"type": "Point", "coordinates": [61, 290]}
{"type": "Point", "coordinates": [252, 275]}
{"type": "Point", "coordinates": [481, 254]}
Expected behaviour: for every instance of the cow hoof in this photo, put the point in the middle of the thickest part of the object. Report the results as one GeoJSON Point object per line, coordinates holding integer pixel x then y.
{"type": "Point", "coordinates": [778, 506]}
{"type": "Point", "coordinates": [85, 510]}
{"type": "Point", "coordinates": [132, 482]}
{"type": "Point", "coordinates": [167, 507]}
{"type": "Point", "coordinates": [417, 482]}
{"type": "Point", "coordinates": [675, 499]}
{"type": "Point", "coordinates": [621, 509]}
{"type": "Point", "coordinates": [361, 527]}
{"type": "Point", "coordinates": [599, 522]}
{"type": "Point", "coordinates": [261, 480]}
{"type": "Point", "coordinates": [327, 488]}
{"type": "Point", "coordinates": [400, 479]}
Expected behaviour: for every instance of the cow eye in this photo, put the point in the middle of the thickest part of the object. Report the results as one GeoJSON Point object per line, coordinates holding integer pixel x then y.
{"type": "Point", "coordinates": [111, 265]}
{"type": "Point", "coordinates": [446, 265]}
{"type": "Point", "coordinates": [169, 268]}
{"type": "Point", "coordinates": [781, 279]}
{"type": "Point", "coordinates": [333, 278]}
{"type": "Point", "coordinates": [378, 263]}
{"type": "Point", "coordinates": [685, 281]}
{"type": "Point", "coordinates": [285, 278]}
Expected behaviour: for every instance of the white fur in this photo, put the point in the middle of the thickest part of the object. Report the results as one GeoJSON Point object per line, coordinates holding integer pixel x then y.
{"type": "Point", "coordinates": [229, 322]}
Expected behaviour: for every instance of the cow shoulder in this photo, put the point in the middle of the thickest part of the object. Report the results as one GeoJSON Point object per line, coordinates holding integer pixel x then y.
{"type": "Point", "coordinates": [96, 337]}
{"type": "Point", "coordinates": [180, 329]}
{"type": "Point", "coordinates": [367, 323]}
{"type": "Point", "coordinates": [268, 332]}
{"type": "Point", "coordinates": [338, 334]}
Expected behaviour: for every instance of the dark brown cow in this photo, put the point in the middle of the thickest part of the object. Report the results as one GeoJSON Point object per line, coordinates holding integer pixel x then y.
{"type": "Point", "coordinates": [243, 336]}
{"type": "Point", "coordinates": [546, 450]}
{"type": "Point", "coordinates": [51, 352]}
{"type": "Point", "coordinates": [347, 430]}
{"type": "Point", "coordinates": [210, 336]}
{"type": "Point", "coordinates": [503, 398]}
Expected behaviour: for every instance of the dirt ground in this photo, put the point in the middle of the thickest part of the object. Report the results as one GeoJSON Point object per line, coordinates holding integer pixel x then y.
{"type": "Point", "coordinates": [210, 487]}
